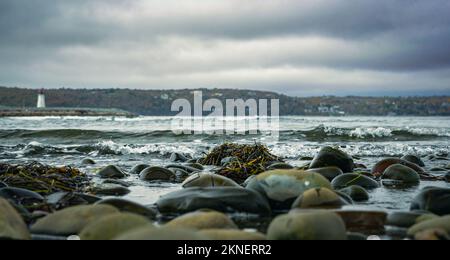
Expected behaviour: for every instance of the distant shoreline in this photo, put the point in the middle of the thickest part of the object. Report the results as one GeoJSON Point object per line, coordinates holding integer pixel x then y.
{"type": "Point", "coordinates": [60, 112]}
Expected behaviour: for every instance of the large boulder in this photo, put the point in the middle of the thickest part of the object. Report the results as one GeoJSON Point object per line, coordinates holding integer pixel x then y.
{"type": "Point", "coordinates": [315, 225]}
{"type": "Point", "coordinates": [329, 156]}
{"type": "Point", "coordinates": [129, 206]}
{"type": "Point", "coordinates": [12, 225]}
{"type": "Point", "coordinates": [319, 198]}
{"type": "Point", "coordinates": [111, 172]}
{"type": "Point", "coordinates": [283, 187]}
{"type": "Point", "coordinates": [113, 225]}
{"type": "Point", "coordinates": [205, 179]}
{"type": "Point", "coordinates": [349, 179]}
{"type": "Point", "coordinates": [72, 220]}
{"type": "Point", "coordinates": [401, 173]}
{"type": "Point", "coordinates": [433, 199]}
{"type": "Point", "coordinates": [223, 199]}
{"type": "Point", "coordinates": [328, 172]}
{"type": "Point", "coordinates": [150, 233]}
{"type": "Point", "coordinates": [157, 174]}
{"type": "Point", "coordinates": [203, 220]}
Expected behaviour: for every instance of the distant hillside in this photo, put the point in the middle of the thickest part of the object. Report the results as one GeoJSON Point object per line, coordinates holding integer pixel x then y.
{"type": "Point", "coordinates": [158, 102]}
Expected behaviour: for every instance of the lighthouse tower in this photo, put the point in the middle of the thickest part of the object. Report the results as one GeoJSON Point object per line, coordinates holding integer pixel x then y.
{"type": "Point", "coordinates": [41, 99]}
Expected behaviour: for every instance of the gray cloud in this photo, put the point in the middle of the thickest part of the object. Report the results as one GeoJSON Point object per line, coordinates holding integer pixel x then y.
{"type": "Point", "coordinates": [290, 46]}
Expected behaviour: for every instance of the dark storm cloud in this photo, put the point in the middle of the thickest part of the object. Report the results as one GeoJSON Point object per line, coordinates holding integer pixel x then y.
{"type": "Point", "coordinates": [227, 43]}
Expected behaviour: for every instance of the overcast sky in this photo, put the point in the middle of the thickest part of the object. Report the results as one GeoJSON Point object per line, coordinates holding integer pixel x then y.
{"type": "Point", "coordinates": [296, 47]}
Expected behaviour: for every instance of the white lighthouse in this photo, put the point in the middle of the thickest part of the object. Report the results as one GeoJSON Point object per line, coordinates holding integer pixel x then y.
{"type": "Point", "coordinates": [41, 99]}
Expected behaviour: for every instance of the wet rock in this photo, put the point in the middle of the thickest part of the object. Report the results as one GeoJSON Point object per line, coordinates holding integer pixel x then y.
{"type": "Point", "coordinates": [232, 235]}
{"type": "Point", "coordinates": [196, 166]}
{"type": "Point", "coordinates": [435, 223]}
{"type": "Point", "coordinates": [21, 196]}
{"type": "Point", "coordinates": [178, 157]}
{"type": "Point", "coordinates": [62, 200]}
{"type": "Point", "coordinates": [129, 206]}
{"type": "Point", "coordinates": [381, 166]}
{"type": "Point", "coordinates": [365, 173]}
{"type": "Point", "coordinates": [203, 220]}
{"type": "Point", "coordinates": [437, 169]}
{"type": "Point", "coordinates": [111, 226]}
{"type": "Point", "coordinates": [433, 199]}
{"type": "Point", "coordinates": [357, 193]}
{"type": "Point", "coordinates": [157, 174]}
{"type": "Point", "coordinates": [280, 166]}
{"type": "Point", "coordinates": [364, 221]}
{"type": "Point", "coordinates": [111, 172]}
{"type": "Point", "coordinates": [414, 159]}
{"type": "Point", "coordinates": [183, 167]}
{"type": "Point", "coordinates": [205, 179]}
{"type": "Point", "coordinates": [282, 187]}
{"type": "Point", "coordinates": [328, 172]}
{"type": "Point", "coordinates": [349, 179]}
{"type": "Point", "coordinates": [3, 185]}
{"type": "Point", "coordinates": [180, 174]}
{"type": "Point", "coordinates": [12, 225]}
{"type": "Point", "coordinates": [319, 198]}
{"type": "Point", "coordinates": [139, 168]}
{"type": "Point", "coordinates": [401, 173]}
{"type": "Point", "coordinates": [404, 219]}
{"type": "Point", "coordinates": [222, 199]}
{"type": "Point", "coordinates": [162, 234]}
{"type": "Point", "coordinates": [345, 197]}
{"type": "Point", "coordinates": [72, 220]}
{"type": "Point", "coordinates": [320, 225]}
{"type": "Point", "coordinates": [432, 235]}
{"type": "Point", "coordinates": [329, 156]}
{"type": "Point", "coordinates": [88, 161]}
{"type": "Point", "coordinates": [110, 190]}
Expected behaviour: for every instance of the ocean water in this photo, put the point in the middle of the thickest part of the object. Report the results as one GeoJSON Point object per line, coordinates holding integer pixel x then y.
{"type": "Point", "coordinates": [127, 142]}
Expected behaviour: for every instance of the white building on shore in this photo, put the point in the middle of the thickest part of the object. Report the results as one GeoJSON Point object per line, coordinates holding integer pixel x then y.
{"type": "Point", "coordinates": [41, 99]}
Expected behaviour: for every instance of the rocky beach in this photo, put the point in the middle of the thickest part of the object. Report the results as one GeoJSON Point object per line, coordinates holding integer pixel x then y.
{"type": "Point", "coordinates": [100, 178]}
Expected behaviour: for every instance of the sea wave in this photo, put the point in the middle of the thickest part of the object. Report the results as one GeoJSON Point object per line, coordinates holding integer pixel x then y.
{"type": "Point", "coordinates": [316, 134]}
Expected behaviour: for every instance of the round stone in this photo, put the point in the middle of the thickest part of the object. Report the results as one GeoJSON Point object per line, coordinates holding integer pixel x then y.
{"type": "Point", "coordinates": [129, 206]}
{"type": "Point", "coordinates": [178, 157]}
{"type": "Point", "coordinates": [401, 173]}
{"type": "Point", "coordinates": [12, 225]}
{"type": "Point", "coordinates": [203, 220]}
{"type": "Point", "coordinates": [319, 225]}
{"type": "Point", "coordinates": [111, 226]}
{"type": "Point", "coordinates": [222, 199]}
{"type": "Point", "coordinates": [414, 159]}
{"type": "Point", "coordinates": [319, 198]}
{"type": "Point", "coordinates": [150, 233]}
{"type": "Point", "coordinates": [280, 166]}
{"type": "Point", "coordinates": [435, 223]}
{"type": "Point", "coordinates": [349, 179]}
{"type": "Point", "coordinates": [382, 165]}
{"type": "Point", "coordinates": [110, 190]}
{"type": "Point", "coordinates": [329, 156]}
{"type": "Point", "coordinates": [433, 199]}
{"type": "Point", "coordinates": [328, 172]}
{"type": "Point", "coordinates": [282, 187]}
{"type": "Point", "coordinates": [88, 161]}
{"type": "Point", "coordinates": [111, 172]}
{"type": "Point", "coordinates": [404, 219]}
{"type": "Point", "coordinates": [21, 196]}
{"type": "Point", "coordinates": [72, 220]}
{"type": "Point", "coordinates": [205, 179]}
{"type": "Point", "coordinates": [357, 193]}
{"type": "Point", "coordinates": [139, 168]}
{"type": "Point", "coordinates": [157, 174]}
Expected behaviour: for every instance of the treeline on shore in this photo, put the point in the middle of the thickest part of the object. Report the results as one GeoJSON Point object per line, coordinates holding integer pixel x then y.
{"type": "Point", "coordinates": [158, 102]}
